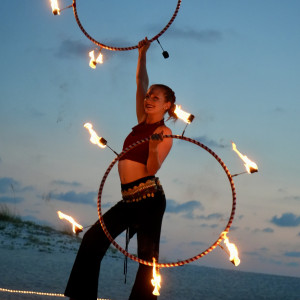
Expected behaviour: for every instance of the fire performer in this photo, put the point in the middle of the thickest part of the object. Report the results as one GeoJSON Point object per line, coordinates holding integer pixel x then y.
{"type": "Point", "coordinates": [142, 207]}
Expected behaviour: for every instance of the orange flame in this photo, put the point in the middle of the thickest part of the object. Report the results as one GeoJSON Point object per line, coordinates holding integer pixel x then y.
{"type": "Point", "coordinates": [233, 251]}
{"type": "Point", "coordinates": [71, 220]}
{"type": "Point", "coordinates": [155, 280]}
{"type": "Point", "coordinates": [251, 166]}
{"type": "Point", "coordinates": [93, 61]}
{"type": "Point", "coordinates": [186, 117]}
{"type": "Point", "coordinates": [55, 8]}
{"type": "Point", "coordinates": [95, 139]}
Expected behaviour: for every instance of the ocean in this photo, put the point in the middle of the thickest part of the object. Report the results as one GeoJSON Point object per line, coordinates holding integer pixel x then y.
{"type": "Point", "coordinates": [32, 259]}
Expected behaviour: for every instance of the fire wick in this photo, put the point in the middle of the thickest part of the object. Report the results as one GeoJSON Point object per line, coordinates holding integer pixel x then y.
{"type": "Point", "coordinates": [239, 174]}
{"type": "Point", "coordinates": [66, 7]}
{"type": "Point", "coordinates": [103, 141]}
{"type": "Point", "coordinates": [165, 53]}
{"type": "Point", "coordinates": [183, 132]}
{"type": "Point", "coordinates": [112, 150]}
{"type": "Point", "coordinates": [252, 170]}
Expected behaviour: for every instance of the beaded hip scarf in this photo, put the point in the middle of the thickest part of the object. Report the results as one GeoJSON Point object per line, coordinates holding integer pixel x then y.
{"type": "Point", "coordinates": [142, 191]}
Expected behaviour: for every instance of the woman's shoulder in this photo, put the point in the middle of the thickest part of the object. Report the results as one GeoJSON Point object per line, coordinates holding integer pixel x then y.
{"type": "Point", "coordinates": [164, 128]}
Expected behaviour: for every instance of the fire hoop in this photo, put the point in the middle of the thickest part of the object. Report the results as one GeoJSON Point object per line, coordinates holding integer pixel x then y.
{"type": "Point", "coordinates": [124, 48]}
{"type": "Point", "coordinates": [182, 262]}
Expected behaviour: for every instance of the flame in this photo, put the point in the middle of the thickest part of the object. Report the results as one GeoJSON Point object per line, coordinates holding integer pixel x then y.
{"type": "Point", "coordinates": [93, 61]}
{"type": "Point", "coordinates": [186, 117]}
{"type": "Point", "coordinates": [95, 139]}
{"type": "Point", "coordinates": [71, 220]}
{"type": "Point", "coordinates": [55, 8]}
{"type": "Point", "coordinates": [155, 280]}
{"type": "Point", "coordinates": [233, 251]}
{"type": "Point", "coordinates": [251, 166]}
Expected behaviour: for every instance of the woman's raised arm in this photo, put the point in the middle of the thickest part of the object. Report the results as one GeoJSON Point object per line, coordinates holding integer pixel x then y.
{"type": "Point", "coordinates": [142, 80]}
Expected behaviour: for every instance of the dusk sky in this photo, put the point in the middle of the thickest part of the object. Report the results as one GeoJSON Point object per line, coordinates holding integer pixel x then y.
{"type": "Point", "coordinates": [235, 65]}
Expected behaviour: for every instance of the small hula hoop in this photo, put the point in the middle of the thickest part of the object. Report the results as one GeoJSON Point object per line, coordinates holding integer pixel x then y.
{"type": "Point", "coordinates": [122, 48]}
{"type": "Point", "coordinates": [182, 262]}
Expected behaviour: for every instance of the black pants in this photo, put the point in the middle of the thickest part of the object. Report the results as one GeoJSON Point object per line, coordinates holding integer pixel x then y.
{"type": "Point", "coordinates": [145, 218]}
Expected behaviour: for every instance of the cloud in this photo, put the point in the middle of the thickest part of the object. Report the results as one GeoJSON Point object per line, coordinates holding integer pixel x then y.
{"type": "Point", "coordinates": [215, 216]}
{"type": "Point", "coordinates": [66, 183]}
{"type": "Point", "coordinates": [297, 198]}
{"type": "Point", "coordinates": [210, 143]}
{"type": "Point", "coordinates": [78, 198]}
{"type": "Point", "coordinates": [72, 48]}
{"type": "Point", "coordinates": [292, 254]}
{"type": "Point", "coordinates": [203, 36]}
{"type": "Point", "coordinates": [209, 225]}
{"type": "Point", "coordinates": [268, 230]}
{"type": "Point", "coordinates": [188, 207]}
{"type": "Point", "coordinates": [198, 243]}
{"type": "Point", "coordinates": [8, 184]}
{"type": "Point", "coordinates": [286, 220]}
{"type": "Point", "coordinates": [77, 49]}
{"type": "Point", "coordinates": [13, 200]}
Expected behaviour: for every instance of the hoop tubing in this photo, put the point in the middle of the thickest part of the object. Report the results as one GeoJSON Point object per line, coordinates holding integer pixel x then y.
{"type": "Point", "coordinates": [122, 48]}
{"type": "Point", "coordinates": [182, 262]}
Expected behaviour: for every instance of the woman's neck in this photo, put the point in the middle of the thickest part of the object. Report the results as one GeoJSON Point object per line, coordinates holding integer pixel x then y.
{"type": "Point", "coordinates": [153, 119]}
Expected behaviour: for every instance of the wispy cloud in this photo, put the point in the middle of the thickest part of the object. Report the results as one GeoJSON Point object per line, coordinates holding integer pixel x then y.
{"type": "Point", "coordinates": [292, 254]}
{"type": "Point", "coordinates": [66, 183]}
{"type": "Point", "coordinates": [297, 198]}
{"type": "Point", "coordinates": [69, 48]}
{"type": "Point", "coordinates": [210, 143]}
{"type": "Point", "coordinates": [286, 220]}
{"type": "Point", "coordinates": [72, 48]}
{"type": "Point", "coordinates": [266, 230]}
{"type": "Point", "coordinates": [13, 200]}
{"type": "Point", "coordinates": [78, 198]}
{"type": "Point", "coordinates": [214, 216]}
{"type": "Point", "coordinates": [187, 208]}
{"type": "Point", "coordinates": [8, 184]}
{"type": "Point", "coordinates": [202, 35]}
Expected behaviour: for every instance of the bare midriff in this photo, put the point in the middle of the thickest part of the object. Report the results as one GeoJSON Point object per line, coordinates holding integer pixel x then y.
{"type": "Point", "coordinates": [130, 171]}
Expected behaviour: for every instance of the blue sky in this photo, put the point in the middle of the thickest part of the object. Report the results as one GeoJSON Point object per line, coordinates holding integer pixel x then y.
{"type": "Point", "coordinates": [233, 64]}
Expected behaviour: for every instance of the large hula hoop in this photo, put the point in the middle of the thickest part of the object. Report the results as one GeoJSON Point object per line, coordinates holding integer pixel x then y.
{"type": "Point", "coordinates": [122, 48]}
{"type": "Point", "coordinates": [182, 262]}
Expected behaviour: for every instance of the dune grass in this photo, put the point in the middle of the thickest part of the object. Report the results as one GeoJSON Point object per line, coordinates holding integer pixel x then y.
{"type": "Point", "coordinates": [7, 215]}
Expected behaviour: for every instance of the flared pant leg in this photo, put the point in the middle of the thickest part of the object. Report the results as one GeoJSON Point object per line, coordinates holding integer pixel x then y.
{"type": "Point", "coordinates": [83, 280]}
{"type": "Point", "coordinates": [148, 238]}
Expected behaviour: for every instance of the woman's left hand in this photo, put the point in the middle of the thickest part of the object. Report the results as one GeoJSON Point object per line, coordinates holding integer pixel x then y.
{"type": "Point", "coordinates": [156, 138]}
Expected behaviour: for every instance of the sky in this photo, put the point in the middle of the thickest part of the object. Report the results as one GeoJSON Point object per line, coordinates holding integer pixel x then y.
{"type": "Point", "coordinates": [233, 64]}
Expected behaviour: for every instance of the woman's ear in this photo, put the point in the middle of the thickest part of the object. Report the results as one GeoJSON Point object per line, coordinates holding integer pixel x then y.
{"type": "Point", "coordinates": [167, 105]}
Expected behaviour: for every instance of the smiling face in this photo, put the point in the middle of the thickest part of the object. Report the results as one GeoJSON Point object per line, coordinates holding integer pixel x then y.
{"type": "Point", "coordinates": [155, 101]}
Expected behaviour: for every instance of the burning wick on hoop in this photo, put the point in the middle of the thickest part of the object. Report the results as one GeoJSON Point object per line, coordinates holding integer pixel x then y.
{"type": "Point", "coordinates": [232, 250]}
{"type": "Point", "coordinates": [251, 166]}
{"type": "Point", "coordinates": [95, 139]}
{"type": "Point", "coordinates": [94, 61]}
{"type": "Point", "coordinates": [156, 279]}
{"type": "Point", "coordinates": [184, 116]}
{"type": "Point", "coordinates": [75, 226]}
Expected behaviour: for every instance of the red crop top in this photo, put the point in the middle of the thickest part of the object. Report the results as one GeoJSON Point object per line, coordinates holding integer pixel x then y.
{"type": "Point", "coordinates": [139, 132]}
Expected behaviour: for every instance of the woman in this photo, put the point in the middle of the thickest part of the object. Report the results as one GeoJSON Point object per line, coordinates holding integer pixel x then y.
{"type": "Point", "coordinates": [142, 207]}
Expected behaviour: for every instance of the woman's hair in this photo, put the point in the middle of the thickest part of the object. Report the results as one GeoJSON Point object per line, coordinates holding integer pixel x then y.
{"type": "Point", "coordinates": [170, 97]}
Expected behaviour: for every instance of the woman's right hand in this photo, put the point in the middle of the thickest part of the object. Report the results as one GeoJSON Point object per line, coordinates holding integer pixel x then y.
{"type": "Point", "coordinates": [143, 46]}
